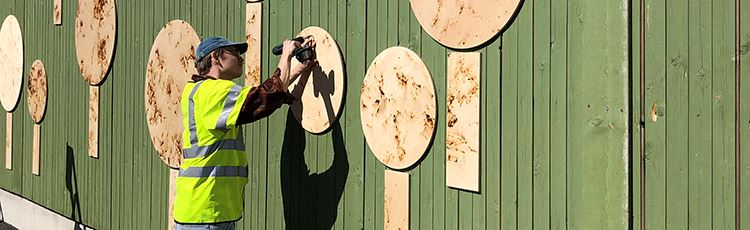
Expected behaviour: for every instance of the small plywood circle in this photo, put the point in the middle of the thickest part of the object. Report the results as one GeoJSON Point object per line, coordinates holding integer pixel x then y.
{"type": "Point", "coordinates": [320, 99]}
{"type": "Point", "coordinates": [170, 66]}
{"type": "Point", "coordinates": [398, 107]}
{"type": "Point", "coordinates": [37, 90]}
{"type": "Point", "coordinates": [11, 63]}
{"type": "Point", "coordinates": [95, 38]}
{"type": "Point", "coordinates": [462, 24]}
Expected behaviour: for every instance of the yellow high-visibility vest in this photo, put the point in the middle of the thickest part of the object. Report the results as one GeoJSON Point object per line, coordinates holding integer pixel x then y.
{"type": "Point", "coordinates": [213, 174]}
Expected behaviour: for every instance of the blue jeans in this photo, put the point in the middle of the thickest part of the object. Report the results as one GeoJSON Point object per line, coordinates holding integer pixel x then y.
{"type": "Point", "coordinates": [219, 226]}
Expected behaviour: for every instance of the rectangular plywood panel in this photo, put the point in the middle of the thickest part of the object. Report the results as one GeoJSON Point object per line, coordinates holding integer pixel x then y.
{"type": "Point", "coordinates": [396, 200]}
{"type": "Point", "coordinates": [252, 35]}
{"type": "Point", "coordinates": [93, 134]}
{"type": "Point", "coordinates": [35, 149]}
{"type": "Point", "coordinates": [9, 141]}
{"type": "Point", "coordinates": [57, 13]}
{"type": "Point", "coordinates": [462, 140]}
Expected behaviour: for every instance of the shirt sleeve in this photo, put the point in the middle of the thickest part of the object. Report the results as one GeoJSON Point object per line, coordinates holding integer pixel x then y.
{"type": "Point", "coordinates": [263, 100]}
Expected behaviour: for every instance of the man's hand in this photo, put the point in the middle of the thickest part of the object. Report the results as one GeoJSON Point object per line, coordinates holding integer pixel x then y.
{"type": "Point", "coordinates": [288, 50]}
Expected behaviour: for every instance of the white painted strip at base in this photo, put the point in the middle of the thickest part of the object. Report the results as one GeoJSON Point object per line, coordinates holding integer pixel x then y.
{"type": "Point", "coordinates": [24, 214]}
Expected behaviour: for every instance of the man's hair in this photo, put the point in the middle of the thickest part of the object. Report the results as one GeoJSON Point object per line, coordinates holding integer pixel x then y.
{"type": "Point", "coordinates": [204, 65]}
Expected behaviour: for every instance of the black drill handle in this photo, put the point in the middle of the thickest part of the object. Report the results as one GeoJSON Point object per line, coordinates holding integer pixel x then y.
{"type": "Point", "coordinates": [277, 50]}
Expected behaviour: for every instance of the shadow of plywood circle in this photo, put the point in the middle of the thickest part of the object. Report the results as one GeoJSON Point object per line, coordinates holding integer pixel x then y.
{"type": "Point", "coordinates": [398, 107]}
{"type": "Point", "coordinates": [463, 24]}
{"type": "Point", "coordinates": [11, 63]}
{"type": "Point", "coordinates": [37, 90]}
{"type": "Point", "coordinates": [320, 99]}
{"type": "Point", "coordinates": [95, 38]}
{"type": "Point", "coordinates": [170, 65]}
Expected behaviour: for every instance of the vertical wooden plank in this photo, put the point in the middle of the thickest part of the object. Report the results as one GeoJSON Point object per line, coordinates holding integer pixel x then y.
{"type": "Point", "coordinates": [598, 136]}
{"type": "Point", "coordinates": [541, 115]}
{"type": "Point", "coordinates": [558, 114]}
{"type": "Point", "coordinates": [723, 117]}
{"type": "Point", "coordinates": [93, 121]}
{"type": "Point", "coordinates": [744, 138]}
{"type": "Point", "coordinates": [655, 125]}
{"type": "Point", "coordinates": [253, 22]}
{"type": "Point", "coordinates": [509, 128]}
{"type": "Point", "coordinates": [36, 136]}
{"type": "Point", "coordinates": [525, 58]}
{"type": "Point", "coordinates": [356, 44]}
{"type": "Point", "coordinates": [9, 140]}
{"type": "Point", "coordinates": [373, 35]}
{"type": "Point", "coordinates": [699, 62]}
{"type": "Point", "coordinates": [677, 126]}
{"type": "Point", "coordinates": [397, 205]}
{"type": "Point", "coordinates": [462, 121]}
{"type": "Point", "coordinates": [57, 12]}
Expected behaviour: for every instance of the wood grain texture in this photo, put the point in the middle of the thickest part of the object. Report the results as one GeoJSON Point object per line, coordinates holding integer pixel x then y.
{"type": "Point", "coordinates": [93, 125]}
{"type": "Point", "coordinates": [462, 122]}
{"type": "Point", "coordinates": [463, 24]}
{"type": "Point", "coordinates": [35, 146]}
{"type": "Point", "coordinates": [396, 198]}
{"type": "Point", "coordinates": [11, 63]}
{"type": "Point", "coordinates": [57, 12]}
{"type": "Point", "coordinates": [37, 90]}
{"type": "Point", "coordinates": [253, 24]}
{"type": "Point", "coordinates": [170, 65]}
{"type": "Point", "coordinates": [398, 107]}
{"type": "Point", "coordinates": [320, 92]}
{"type": "Point", "coordinates": [96, 25]}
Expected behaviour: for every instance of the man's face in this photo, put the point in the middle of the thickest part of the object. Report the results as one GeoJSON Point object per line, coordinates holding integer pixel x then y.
{"type": "Point", "coordinates": [231, 62]}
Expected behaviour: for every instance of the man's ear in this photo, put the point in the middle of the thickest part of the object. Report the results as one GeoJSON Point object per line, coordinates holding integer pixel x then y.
{"type": "Point", "coordinates": [216, 59]}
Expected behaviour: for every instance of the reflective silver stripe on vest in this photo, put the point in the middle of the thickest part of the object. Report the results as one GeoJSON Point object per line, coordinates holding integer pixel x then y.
{"type": "Point", "coordinates": [229, 103]}
{"type": "Point", "coordinates": [214, 171]}
{"type": "Point", "coordinates": [191, 116]}
{"type": "Point", "coordinates": [201, 151]}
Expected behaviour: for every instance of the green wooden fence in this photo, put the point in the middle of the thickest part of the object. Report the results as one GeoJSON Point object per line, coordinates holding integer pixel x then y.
{"type": "Point", "coordinates": [559, 120]}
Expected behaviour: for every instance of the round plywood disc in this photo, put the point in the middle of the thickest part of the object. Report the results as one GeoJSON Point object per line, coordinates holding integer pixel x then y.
{"type": "Point", "coordinates": [323, 91]}
{"type": "Point", "coordinates": [397, 107]}
{"type": "Point", "coordinates": [462, 24]}
{"type": "Point", "coordinates": [11, 63]}
{"type": "Point", "coordinates": [170, 66]}
{"type": "Point", "coordinates": [37, 91]}
{"type": "Point", "coordinates": [95, 38]}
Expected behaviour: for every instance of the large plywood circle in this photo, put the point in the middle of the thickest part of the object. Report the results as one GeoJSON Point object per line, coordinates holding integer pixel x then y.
{"type": "Point", "coordinates": [95, 38]}
{"type": "Point", "coordinates": [11, 63]}
{"type": "Point", "coordinates": [170, 66]}
{"type": "Point", "coordinates": [37, 90]}
{"type": "Point", "coordinates": [463, 24]}
{"type": "Point", "coordinates": [398, 107]}
{"type": "Point", "coordinates": [321, 93]}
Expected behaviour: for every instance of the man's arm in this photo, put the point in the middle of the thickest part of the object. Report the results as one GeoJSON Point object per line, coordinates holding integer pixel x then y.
{"type": "Point", "coordinates": [264, 99]}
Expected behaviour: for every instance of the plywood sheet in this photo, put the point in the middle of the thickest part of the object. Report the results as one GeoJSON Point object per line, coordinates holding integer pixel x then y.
{"type": "Point", "coordinates": [37, 90]}
{"type": "Point", "coordinates": [95, 38]}
{"type": "Point", "coordinates": [462, 24]}
{"type": "Point", "coordinates": [9, 141]}
{"type": "Point", "coordinates": [396, 200]}
{"type": "Point", "coordinates": [398, 107]}
{"type": "Point", "coordinates": [37, 138]}
{"type": "Point", "coordinates": [57, 12]}
{"type": "Point", "coordinates": [170, 65]}
{"type": "Point", "coordinates": [93, 133]}
{"type": "Point", "coordinates": [11, 63]}
{"type": "Point", "coordinates": [172, 194]}
{"type": "Point", "coordinates": [320, 99]}
{"type": "Point", "coordinates": [252, 36]}
{"type": "Point", "coordinates": [462, 122]}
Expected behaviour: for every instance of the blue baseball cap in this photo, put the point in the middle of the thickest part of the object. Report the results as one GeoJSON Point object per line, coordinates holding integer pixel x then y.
{"type": "Point", "coordinates": [212, 43]}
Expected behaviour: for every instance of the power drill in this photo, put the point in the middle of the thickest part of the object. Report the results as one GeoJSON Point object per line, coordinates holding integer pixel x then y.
{"type": "Point", "coordinates": [302, 54]}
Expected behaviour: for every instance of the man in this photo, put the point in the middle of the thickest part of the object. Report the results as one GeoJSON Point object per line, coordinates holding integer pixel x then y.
{"type": "Point", "coordinates": [213, 174]}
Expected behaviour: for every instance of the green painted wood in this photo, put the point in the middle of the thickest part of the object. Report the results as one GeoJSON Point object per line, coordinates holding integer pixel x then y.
{"type": "Point", "coordinates": [744, 119]}
{"type": "Point", "coordinates": [677, 120]}
{"type": "Point", "coordinates": [541, 115]}
{"type": "Point", "coordinates": [700, 116]}
{"type": "Point", "coordinates": [723, 108]}
{"type": "Point", "coordinates": [597, 137]}
{"type": "Point", "coordinates": [357, 66]}
{"type": "Point", "coordinates": [491, 130]}
{"type": "Point", "coordinates": [558, 114]}
{"type": "Point", "coordinates": [655, 103]}
{"type": "Point", "coordinates": [524, 81]}
{"type": "Point", "coordinates": [509, 127]}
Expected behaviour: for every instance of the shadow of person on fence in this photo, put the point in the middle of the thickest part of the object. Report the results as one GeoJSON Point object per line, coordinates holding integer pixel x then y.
{"type": "Point", "coordinates": [311, 199]}
{"type": "Point", "coordinates": [71, 184]}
